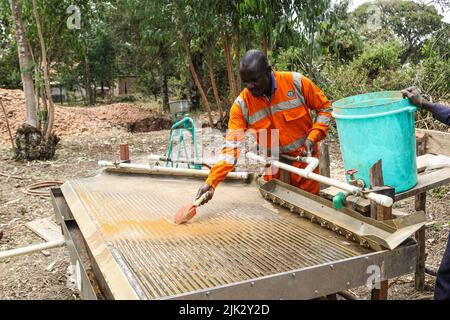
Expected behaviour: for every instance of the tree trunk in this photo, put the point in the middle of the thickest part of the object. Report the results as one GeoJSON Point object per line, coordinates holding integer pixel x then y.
{"type": "Point", "coordinates": [44, 110]}
{"type": "Point", "coordinates": [48, 90]}
{"type": "Point", "coordinates": [264, 42]}
{"type": "Point", "coordinates": [37, 90]}
{"type": "Point", "coordinates": [214, 87]}
{"type": "Point", "coordinates": [192, 68]}
{"type": "Point", "coordinates": [165, 92]}
{"type": "Point", "coordinates": [163, 53]}
{"type": "Point", "coordinates": [26, 64]}
{"type": "Point", "coordinates": [197, 81]}
{"type": "Point", "coordinates": [87, 79]}
{"type": "Point", "coordinates": [238, 55]}
{"type": "Point", "coordinates": [229, 64]}
{"type": "Point", "coordinates": [7, 126]}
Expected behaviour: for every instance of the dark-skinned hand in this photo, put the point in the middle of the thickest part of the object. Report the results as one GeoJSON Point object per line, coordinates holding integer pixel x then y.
{"type": "Point", "coordinates": [203, 189]}
{"type": "Point", "coordinates": [414, 96]}
{"type": "Point", "coordinates": [309, 147]}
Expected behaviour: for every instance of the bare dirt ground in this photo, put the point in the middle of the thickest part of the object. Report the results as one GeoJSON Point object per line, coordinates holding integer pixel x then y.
{"type": "Point", "coordinates": [92, 134]}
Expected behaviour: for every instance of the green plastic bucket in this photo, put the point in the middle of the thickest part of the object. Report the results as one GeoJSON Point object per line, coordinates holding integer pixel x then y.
{"type": "Point", "coordinates": [378, 125]}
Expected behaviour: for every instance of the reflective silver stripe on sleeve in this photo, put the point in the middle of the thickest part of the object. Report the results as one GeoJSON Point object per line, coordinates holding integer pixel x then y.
{"type": "Point", "coordinates": [323, 119]}
{"type": "Point", "coordinates": [329, 110]}
{"type": "Point", "coordinates": [243, 106]}
{"type": "Point", "coordinates": [231, 160]}
{"type": "Point", "coordinates": [297, 77]}
{"type": "Point", "coordinates": [293, 146]}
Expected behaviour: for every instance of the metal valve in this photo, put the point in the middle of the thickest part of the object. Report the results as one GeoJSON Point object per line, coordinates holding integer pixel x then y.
{"type": "Point", "coordinates": [352, 179]}
{"type": "Point", "coordinates": [355, 182]}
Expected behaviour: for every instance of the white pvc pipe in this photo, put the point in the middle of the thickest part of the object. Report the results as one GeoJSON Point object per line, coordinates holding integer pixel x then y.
{"type": "Point", "coordinates": [168, 170]}
{"type": "Point", "coordinates": [157, 157]}
{"type": "Point", "coordinates": [154, 157]}
{"type": "Point", "coordinates": [312, 164]}
{"type": "Point", "coordinates": [29, 249]}
{"type": "Point", "coordinates": [378, 198]}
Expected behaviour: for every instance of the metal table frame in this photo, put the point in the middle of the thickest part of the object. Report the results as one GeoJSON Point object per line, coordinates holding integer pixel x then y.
{"type": "Point", "coordinates": [306, 283]}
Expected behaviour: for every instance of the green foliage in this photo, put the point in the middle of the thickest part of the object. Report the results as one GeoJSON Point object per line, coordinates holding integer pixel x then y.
{"type": "Point", "coordinates": [437, 227]}
{"type": "Point", "coordinates": [9, 61]}
{"type": "Point", "coordinates": [440, 192]}
{"type": "Point", "coordinates": [128, 98]}
{"type": "Point", "coordinates": [343, 81]}
{"type": "Point", "coordinates": [344, 53]}
{"type": "Point", "coordinates": [291, 59]}
{"type": "Point", "coordinates": [102, 65]}
{"type": "Point", "coordinates": [376, 69]}
{"type": "Point", "coordinates": [9, 68]}
{"type": "Point", "coordinates": [379, 57]}
{"type": "Point", "coordinates": [411, 22]}
{"type": "Point", "coordinates": [435, 75]}
{"type": "Point", "coordinates": [338, 36]}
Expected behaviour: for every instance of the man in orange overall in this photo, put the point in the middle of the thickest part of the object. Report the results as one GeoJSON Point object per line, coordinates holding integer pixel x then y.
{"type": "Point", "coordinates": [273, 100]}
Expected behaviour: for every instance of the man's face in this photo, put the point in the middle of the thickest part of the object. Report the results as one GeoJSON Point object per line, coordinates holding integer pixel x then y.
{"type": "Point", "coordinates": [256, 80]}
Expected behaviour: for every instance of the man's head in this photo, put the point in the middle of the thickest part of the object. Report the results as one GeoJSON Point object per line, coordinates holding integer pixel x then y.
{"type": "Point", "coordinates": [255, 73]}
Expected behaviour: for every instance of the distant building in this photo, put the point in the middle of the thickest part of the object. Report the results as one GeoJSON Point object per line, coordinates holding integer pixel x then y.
{"type": "Point", "coordinates": [125, 86]}
{"type": "Point", "coordinates": [63, 94]}
{"type": "Point", "coordinates": [59, 94]}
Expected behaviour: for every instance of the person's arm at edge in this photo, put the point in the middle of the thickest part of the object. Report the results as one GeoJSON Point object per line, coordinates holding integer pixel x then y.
{"type": "Point", "coordinates": [439, 111]}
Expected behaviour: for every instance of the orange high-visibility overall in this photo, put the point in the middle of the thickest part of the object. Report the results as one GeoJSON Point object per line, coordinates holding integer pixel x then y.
{"type": "Point", "coordinates": [294, 95]}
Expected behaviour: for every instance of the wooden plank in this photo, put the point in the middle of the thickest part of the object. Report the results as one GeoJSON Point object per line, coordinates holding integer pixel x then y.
{"type": "Point", "coordinates": [427, 181]}
{"type": "Point", "coordinates": [324, 162]}
{"type": "Point", "coordinates": [376, 180]}
{"type": "Point", "coordinates": [380, 213]}
{"type": "Point", "coordinates": [285, 176]}
{"type": "Point", "coordinates": [359, 204]}
{"type": "Point", "coordinates": [399, 214]}
{"type": "Point", "coordinates": [421, 141]}
{"type": "Point", "coordinates": [419, 280]}
{"type": "Point", "coordinates": [382, 293]}
{"type": "Point", "coordinates": [437, 142]}
{"type": "Point", "coordinates": [46, 229]}
{"type": "Point", "coordinates": [423, 138]}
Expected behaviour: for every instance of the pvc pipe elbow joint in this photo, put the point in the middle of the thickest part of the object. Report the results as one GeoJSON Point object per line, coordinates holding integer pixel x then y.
{"type": "Point", "coordinates": [312, 164]}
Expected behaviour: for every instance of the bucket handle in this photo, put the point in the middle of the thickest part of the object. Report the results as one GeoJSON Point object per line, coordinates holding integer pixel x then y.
{"type": "Point", "coordinates": [362, 116]}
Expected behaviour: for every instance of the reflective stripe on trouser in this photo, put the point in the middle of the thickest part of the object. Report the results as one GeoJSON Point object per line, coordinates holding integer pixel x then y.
{"type": "Point", "coordinates": [296, 180]}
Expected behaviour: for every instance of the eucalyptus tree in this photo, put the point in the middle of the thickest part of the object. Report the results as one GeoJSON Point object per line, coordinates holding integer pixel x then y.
{"type": "Point", "coordinates": [338, 36]}
{"type": "Point", "coordinates": [307, 17]}
{"type": "Point", "coordinates": [26, 62]}
{"type": "Point", "coordinates": [185, 21]}
{"type": "Point", "coordinates": [263, 18]}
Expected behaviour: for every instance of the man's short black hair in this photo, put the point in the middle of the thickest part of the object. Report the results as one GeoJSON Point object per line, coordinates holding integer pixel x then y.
{"type": "Point", "coordinates": [254, 58]}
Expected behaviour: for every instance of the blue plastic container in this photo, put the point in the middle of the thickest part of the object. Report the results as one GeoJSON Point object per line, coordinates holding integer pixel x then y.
{"type": "Point", "coordinates": [378, 125]}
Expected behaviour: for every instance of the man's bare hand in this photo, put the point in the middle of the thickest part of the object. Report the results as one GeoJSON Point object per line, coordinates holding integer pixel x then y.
{"type": "Point", "coordinates": [202, 190]}
{"type": "Point", "coordinates": [309, 147]}
{"type": "Point", "coordinates": [414, 96]}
